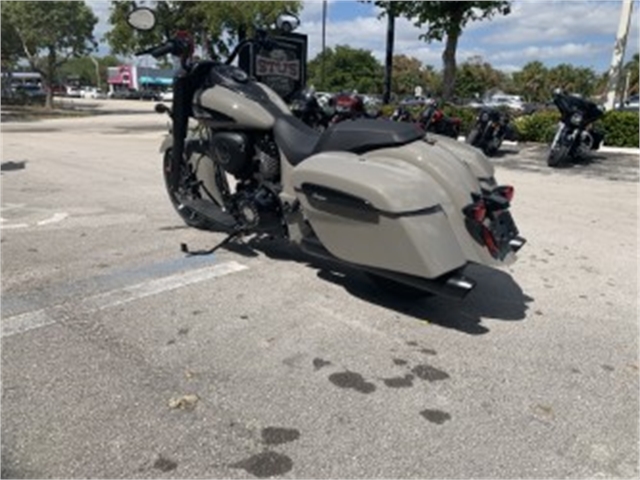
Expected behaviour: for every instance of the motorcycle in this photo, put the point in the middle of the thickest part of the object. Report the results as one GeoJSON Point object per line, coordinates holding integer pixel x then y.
{"type": "Point", "coordinates": [409, 211]}
{"type": "Point", "coordinates": [401, 114]}
{"type": "Point", "coordinates": [306, 107]}
{"type": "Point", "coordinates": [433, 119]}
{"type": "Point", "coordinates": [489, 131]}
{"type": "Point", "coordinates": [348, 106]}
{"type": "Point", "coordinates": [575, 136]}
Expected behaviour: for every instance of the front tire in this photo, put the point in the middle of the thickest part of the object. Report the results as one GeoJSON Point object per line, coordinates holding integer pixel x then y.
{"type": "Point", "coordinates": [472, 137]}
{"type": "Point", "coordinates": [558, 152]}
{"type": "Point", "coordinates": [190, 218]}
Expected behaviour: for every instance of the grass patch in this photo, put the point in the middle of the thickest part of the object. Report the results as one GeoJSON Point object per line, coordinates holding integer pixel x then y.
{"type": "Point", "coordinates": [26, 113]}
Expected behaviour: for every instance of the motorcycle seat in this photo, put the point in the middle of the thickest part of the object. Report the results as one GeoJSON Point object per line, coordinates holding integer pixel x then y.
{"type": "Point", "coordinates": [298, 141]}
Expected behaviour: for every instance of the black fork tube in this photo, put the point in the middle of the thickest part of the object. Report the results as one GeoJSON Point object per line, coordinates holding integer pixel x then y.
{"type": "Point", "coordinates": [180, 125]}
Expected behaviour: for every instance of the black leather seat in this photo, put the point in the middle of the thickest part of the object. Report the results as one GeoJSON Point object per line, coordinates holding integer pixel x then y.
{"type": "Point", "coordinates": [298, 141]}
{"type": "Point", "coordinates": [359, 136]}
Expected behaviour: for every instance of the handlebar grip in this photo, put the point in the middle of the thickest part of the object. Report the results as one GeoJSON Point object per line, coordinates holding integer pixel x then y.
{"type": "Point", "coordinates": [163, 50]}
{"type": "Point", "coordinates": [159, 51]}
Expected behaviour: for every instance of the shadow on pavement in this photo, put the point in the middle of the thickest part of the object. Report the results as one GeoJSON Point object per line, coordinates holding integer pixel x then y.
{"type": "Point", "coordinates": [496, 296]}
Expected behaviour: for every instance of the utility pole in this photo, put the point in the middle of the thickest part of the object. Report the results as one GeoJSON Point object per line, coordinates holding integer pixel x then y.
{"type": "Point", "coordinates": [324, 43]}
{"type": "Point", "coordinates": [388, 65]}
{"type": "Point", "coordinates": [97, 65]}
{"type": "Point", "coordinates": [618, 54]}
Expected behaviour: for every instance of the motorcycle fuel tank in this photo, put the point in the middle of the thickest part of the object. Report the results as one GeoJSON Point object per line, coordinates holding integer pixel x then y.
{"type": "Point", "coordinates": [219, 107]}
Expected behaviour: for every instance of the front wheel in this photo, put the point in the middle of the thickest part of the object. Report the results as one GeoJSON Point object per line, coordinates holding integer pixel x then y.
{"type": "Point", "coordinates": [472, 137]}
{"type": "Point", "coordinates": [188, 188]}
{"type": "Point", "coordinates": [559, 151]}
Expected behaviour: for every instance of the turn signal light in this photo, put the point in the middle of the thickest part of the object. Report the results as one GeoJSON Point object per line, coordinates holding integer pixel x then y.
{"type": "Point", "coordinates": [476, 211]}
{"type": "Point", "coordinates": [506, 191]}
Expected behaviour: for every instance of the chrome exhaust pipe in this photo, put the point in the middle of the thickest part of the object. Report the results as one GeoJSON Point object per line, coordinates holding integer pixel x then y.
{"type": "Point", "coordinates": [516, 243]}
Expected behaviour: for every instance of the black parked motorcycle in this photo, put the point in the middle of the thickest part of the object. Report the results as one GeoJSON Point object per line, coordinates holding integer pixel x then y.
{"type": "Point", "coordinates": [489, 131]}
{"type": "Point", "coordinates": [306, 107]}
{"type": "Point", "coordinates": [575, 135]}
{"type": "Point", "coordinates": [401, 114]}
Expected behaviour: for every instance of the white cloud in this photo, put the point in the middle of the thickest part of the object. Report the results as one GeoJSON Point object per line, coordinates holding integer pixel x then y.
{"type": "Point", "coordinates": [579, 32]}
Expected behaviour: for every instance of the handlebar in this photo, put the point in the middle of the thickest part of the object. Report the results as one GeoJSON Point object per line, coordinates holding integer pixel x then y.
{"type": "Point", "coordinates": [174, 46]}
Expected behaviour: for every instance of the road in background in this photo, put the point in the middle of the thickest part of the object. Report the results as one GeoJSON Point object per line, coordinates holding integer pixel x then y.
{"type": "Point", "coordinates": [123, 358]}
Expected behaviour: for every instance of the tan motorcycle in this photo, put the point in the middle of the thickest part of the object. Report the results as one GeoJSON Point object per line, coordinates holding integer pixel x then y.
{"type": "Point", "coordinates": [410, 210]}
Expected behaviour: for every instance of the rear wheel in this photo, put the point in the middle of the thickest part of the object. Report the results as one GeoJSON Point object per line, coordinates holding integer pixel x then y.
{"type": "Point", "coordinates": [397, 289]}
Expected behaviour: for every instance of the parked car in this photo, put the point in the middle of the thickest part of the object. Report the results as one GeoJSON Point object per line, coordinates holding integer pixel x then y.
{"type": "Point", "coordinates": [31, 92]}
{"type": "Point", "coordinates": [91, 92]}
{"type": "Point", "coordinates": [73, 92]}
{"type": "Point", "coordinates": [513, 102]}
{"type": "Point", "coordinates": [631, 104]}
{"type": "Point", "coordinates": [414, 101]}
{"type": "Point", "coordinates": [167, 96]}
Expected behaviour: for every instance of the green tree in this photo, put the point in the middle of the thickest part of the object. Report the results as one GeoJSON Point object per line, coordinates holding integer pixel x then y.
{"type": "Point", "coordinates": [408, 73]}
{"type": "Point", "coordinates": [475, 77]}
{"type": "Point", "coordinates": [216, 26]}
{"type": "Point", "coordinates": [572, 79]}
{"type": "Point", "coordinates": [446, 20]}
{"type": "Point", "coordinates": [50, 33]}
{"type": "Point", "coordinates": [532, 82]}
{"type": "Point", "coordinates": [347, 69]}
{"type": "Point", "coordinates": [84, 68]}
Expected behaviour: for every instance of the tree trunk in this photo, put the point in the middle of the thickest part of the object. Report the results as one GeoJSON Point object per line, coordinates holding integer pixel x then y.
{"type": "Point", "coordinates": [449, 60]}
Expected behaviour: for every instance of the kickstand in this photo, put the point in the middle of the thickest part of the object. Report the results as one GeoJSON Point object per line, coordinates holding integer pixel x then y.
{"type": "Point", "coordinates": [185, 249]}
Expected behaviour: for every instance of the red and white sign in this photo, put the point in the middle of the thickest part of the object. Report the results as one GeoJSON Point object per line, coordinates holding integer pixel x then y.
{"type": "Point", "coordinates": [266, 66]}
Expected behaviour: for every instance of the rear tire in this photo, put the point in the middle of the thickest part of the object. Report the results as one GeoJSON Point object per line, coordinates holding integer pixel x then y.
{"type": "Point", "coordinates": [397, 289]}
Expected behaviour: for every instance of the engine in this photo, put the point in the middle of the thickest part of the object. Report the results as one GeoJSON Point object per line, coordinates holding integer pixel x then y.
{"type": "Point", "coordinates": [254, 161]}
{"type": "Point", "coordinates": [259, 208]}
{"type": "Point", "coordinates": [245, 156]}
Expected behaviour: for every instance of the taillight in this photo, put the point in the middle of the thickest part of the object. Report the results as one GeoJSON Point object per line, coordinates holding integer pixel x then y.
{"type": "Point", "coordinates": [476, 211]}
{"type": "Point", "coordinates": [489, 241]}
{"type": "Point", "coordinates": [506, 191]}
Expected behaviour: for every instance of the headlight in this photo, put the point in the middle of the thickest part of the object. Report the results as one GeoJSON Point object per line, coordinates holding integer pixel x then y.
{"type": "Point", "coordinates": [484, 117]}
{"type": "Point", "coordinates": [576, 118]}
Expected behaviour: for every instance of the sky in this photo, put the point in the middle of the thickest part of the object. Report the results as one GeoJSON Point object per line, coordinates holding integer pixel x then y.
{"type": "Point", "coordinates": [579, 32]}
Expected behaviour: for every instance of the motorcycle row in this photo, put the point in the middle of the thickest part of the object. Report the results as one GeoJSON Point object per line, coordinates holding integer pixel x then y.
{"type": "Point", "coordinates": [409, 210]}
{"type": "Point", "coordinates": [574, 137]}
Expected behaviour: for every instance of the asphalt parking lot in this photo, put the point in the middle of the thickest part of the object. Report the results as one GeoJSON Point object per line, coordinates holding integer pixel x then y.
{"type": "Point", "coordinates": [122, 358]}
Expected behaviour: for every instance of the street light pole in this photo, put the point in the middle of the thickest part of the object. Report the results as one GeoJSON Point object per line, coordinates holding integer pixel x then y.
{"type": "Point", "coordinates": [95, 62]}
{"type": "Point", "coordinates": [388, 66]}
{"type": "Point", "coordinates": [324, 39]}
{"type": "Point", "coordinates": [618, 54]}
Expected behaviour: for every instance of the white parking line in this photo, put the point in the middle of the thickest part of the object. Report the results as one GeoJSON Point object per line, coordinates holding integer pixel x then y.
{"type": "Point", "coordinates": [41, 318]}
{"type": "Point", "coordinates": [56, 217]}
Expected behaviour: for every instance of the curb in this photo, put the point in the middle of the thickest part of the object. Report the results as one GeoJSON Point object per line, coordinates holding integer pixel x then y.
{"type": "Point", "coordinates": [603, 148]}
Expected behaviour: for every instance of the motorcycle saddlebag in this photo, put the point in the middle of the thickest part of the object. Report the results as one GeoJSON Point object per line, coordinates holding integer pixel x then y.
{"type": "Point", "coordinates": [382, 213]}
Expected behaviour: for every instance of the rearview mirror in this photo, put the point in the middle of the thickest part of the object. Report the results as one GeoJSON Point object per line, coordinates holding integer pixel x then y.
{"type": "Point", "coordinates": [142, 18]}
{"type": "Point", "coordinates": [287, 22]}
